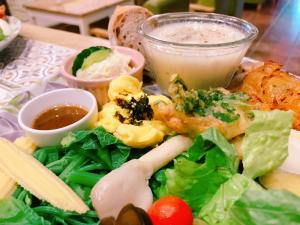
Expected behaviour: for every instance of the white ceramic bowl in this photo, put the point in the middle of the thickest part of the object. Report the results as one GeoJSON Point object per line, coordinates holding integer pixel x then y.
{"type": "Point", "coordinates": [15, 25]}
{"type": "Point", "coordinates": [69, 96]}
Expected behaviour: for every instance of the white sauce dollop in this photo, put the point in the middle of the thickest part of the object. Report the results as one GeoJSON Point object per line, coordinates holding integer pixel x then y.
{"type": "Point", "coordinates": [116, 64]}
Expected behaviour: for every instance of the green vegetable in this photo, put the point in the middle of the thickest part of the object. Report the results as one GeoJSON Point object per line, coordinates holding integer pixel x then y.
{"type": "Point", "coordinates": [268, 208]}
{"type": "Point", "coordinates": [13, 211]}
{"type": "Point", "coordinates": [2, 36]}
{"type": "Point", "coordinates": [215, 137]}
{"type": "Point", "coordinates": [84, 158]}
{"type": "Point", "coordinates": [218, 103]}
{"type": "Point", "coordinates": [198, 174]}
{"type": "Point", "coordinates": [265, 145]}
{"type": "Point", "coordinates": [96, 57]}
{"type": "Point", "coordinates": [89, 56]}
{"type": "Point", "coordinates": [85, 178]}
{"type": "Point", "coordinates": [217, 210]}
{"type": "Point", "coordinates": [240, 201]}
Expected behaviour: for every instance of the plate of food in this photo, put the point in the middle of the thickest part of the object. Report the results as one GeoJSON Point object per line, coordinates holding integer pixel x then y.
{"type": "Point", "coordinates": [10, 27]}
{"type": "Point", "coordinates": [194, 156]}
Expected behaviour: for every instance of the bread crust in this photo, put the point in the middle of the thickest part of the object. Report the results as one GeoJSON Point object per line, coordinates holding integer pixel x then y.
{"type": "Point", "coordinates": [123, 25]}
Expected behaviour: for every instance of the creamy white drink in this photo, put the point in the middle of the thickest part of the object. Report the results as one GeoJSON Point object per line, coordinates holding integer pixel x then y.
{"type": "Point", "coordinates": [199, 66]}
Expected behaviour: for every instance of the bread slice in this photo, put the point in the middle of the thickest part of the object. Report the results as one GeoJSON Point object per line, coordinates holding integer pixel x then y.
{"type": "Point", "coordinates": [123, 26]}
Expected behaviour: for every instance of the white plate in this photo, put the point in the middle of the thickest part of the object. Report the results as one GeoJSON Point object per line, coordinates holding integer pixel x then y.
{"type": "Point", "coordinates": [15, 25]}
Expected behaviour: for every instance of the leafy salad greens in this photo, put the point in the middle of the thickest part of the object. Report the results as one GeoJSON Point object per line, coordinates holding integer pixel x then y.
{"type": "Point", "coordinates": [241, 201]}
{"type": "Point", "coordinates": [208, 179]}
{"type": "Point", "coordinates": [208, 176]}
{"type": "Point", "coordinates": [197, 175]}
{"type": "Point", "coordinates": [266, 137]}
{"type": "Point", "coordinates": [84, 158]}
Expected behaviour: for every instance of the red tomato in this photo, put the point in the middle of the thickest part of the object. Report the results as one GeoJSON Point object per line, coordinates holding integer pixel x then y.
{"type": "Point", "coordinates": [170, 210]}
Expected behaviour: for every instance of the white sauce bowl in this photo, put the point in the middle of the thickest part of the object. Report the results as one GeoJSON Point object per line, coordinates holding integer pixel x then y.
{"type": "Point", "coordinates": [69, 96]}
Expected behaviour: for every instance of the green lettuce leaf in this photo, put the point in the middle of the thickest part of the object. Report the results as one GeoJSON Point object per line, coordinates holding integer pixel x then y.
{"type": "Point", "coordinates": [16, 212]}
{"type": "Point", "coordinates": [265, 145]}
{"type": "Point", "coordinates": [215, 137]}
{"type": "Point", "coordinates": [271, 207]}
{"type": "Point", "coordinates": [218, 210]}
{"type": "Point", "coordinates": [198, 174]}
{"type": "Point", "coordinates": [240, 201]}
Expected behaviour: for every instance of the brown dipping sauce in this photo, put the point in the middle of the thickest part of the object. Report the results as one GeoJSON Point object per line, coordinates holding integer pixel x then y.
{"type": "Point", "coordinates": [58, 117]}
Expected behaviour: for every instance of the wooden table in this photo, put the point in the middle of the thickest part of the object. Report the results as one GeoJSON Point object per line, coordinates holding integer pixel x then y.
{"type": "Point", "coordinates": [58, 37]}
{"type": "Point", "coordinates": [76, 12]}
{"type": "Point", "coordinates": [279, 38]}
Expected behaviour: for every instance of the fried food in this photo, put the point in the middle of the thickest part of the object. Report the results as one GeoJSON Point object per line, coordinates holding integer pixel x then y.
{"type": "Point", "coordinates": [194, 111]}
{"type": "Point", "coordinates": [272, 88]}
{"type": "Point", "coordinates": [192, 125]}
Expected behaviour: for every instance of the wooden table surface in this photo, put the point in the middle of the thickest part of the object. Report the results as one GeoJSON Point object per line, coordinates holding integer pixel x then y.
{"type": "Point", "coordinates": [72, 7]}
{"type": "Point", "coordinates": [58, 37]}
{"type": "Point", "coordinates": [279, 39]}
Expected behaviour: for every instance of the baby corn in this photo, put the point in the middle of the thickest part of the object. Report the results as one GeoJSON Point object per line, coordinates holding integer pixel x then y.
{"type": "Point", "coordinates": [37, 179]}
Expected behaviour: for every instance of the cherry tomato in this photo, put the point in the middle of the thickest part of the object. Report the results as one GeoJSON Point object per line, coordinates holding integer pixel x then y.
{"type": "Point", "coordinates": [170, 210]}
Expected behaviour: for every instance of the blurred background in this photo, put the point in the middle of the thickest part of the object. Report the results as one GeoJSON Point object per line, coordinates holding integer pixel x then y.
{"type": "Point", "coordinates": [277, 20]}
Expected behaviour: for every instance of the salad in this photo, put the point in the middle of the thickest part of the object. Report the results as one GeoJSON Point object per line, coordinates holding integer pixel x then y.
{"type": "Point", "coordinates": [100, 62]}
{"type": "Point", "coordinates": [5, 29]}
{"type": "Point", "coordinates": [205, 167]}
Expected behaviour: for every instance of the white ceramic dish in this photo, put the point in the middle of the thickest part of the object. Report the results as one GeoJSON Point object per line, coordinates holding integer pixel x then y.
{"type": "Point", "coordinates": [15, 25]}
{"type": "Point", "coordinates": [69, 96]}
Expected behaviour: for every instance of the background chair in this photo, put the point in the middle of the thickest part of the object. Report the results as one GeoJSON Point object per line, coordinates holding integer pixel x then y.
{"type": "Point", "coordinates": [165, 6]}
{"type": "Point", "coordinates": [228, 7]}
{"type": "Point", "coordinates": [202, 5]}
{"type": "Point", "coordinates": [257, 2]}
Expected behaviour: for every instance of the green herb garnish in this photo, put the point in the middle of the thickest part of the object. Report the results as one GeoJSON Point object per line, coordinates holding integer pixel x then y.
{"type": "Point", "coordinates": [216, 102]}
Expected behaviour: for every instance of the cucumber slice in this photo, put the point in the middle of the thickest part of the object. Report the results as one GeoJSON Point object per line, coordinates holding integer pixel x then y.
{"type": "Point", "coordinates": [95, 57]}
{"type": "Point", "coordinates": [81, 57]}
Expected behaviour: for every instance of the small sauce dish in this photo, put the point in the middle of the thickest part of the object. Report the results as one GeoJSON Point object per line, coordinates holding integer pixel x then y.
{"type": "Point", "coordinates": [69, 97]}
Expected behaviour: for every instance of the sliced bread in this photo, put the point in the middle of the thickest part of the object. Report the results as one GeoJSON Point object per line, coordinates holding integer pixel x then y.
{"type": "Point", "coordinates": [123, 26]}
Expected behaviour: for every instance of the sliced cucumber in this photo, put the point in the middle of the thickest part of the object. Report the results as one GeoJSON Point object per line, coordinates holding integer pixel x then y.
{"type": "Point", "coordinates": [95, 57]}
{"type": "Point", "coordinates": [84, 54]}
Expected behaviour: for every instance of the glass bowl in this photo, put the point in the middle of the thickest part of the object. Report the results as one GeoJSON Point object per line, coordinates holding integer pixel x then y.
{"type": "Point", "coordinates": [200, 63]}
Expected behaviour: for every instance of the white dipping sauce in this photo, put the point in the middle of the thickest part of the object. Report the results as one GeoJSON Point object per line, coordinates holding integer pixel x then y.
{"type": "Point", "coordinates": [200, 67]}
{"type": "Point", "coordinates": [197, 33]}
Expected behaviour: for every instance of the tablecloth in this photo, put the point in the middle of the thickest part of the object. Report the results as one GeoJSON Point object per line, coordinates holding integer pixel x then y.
{"type": "Point", "coordinates": [27, 69]}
